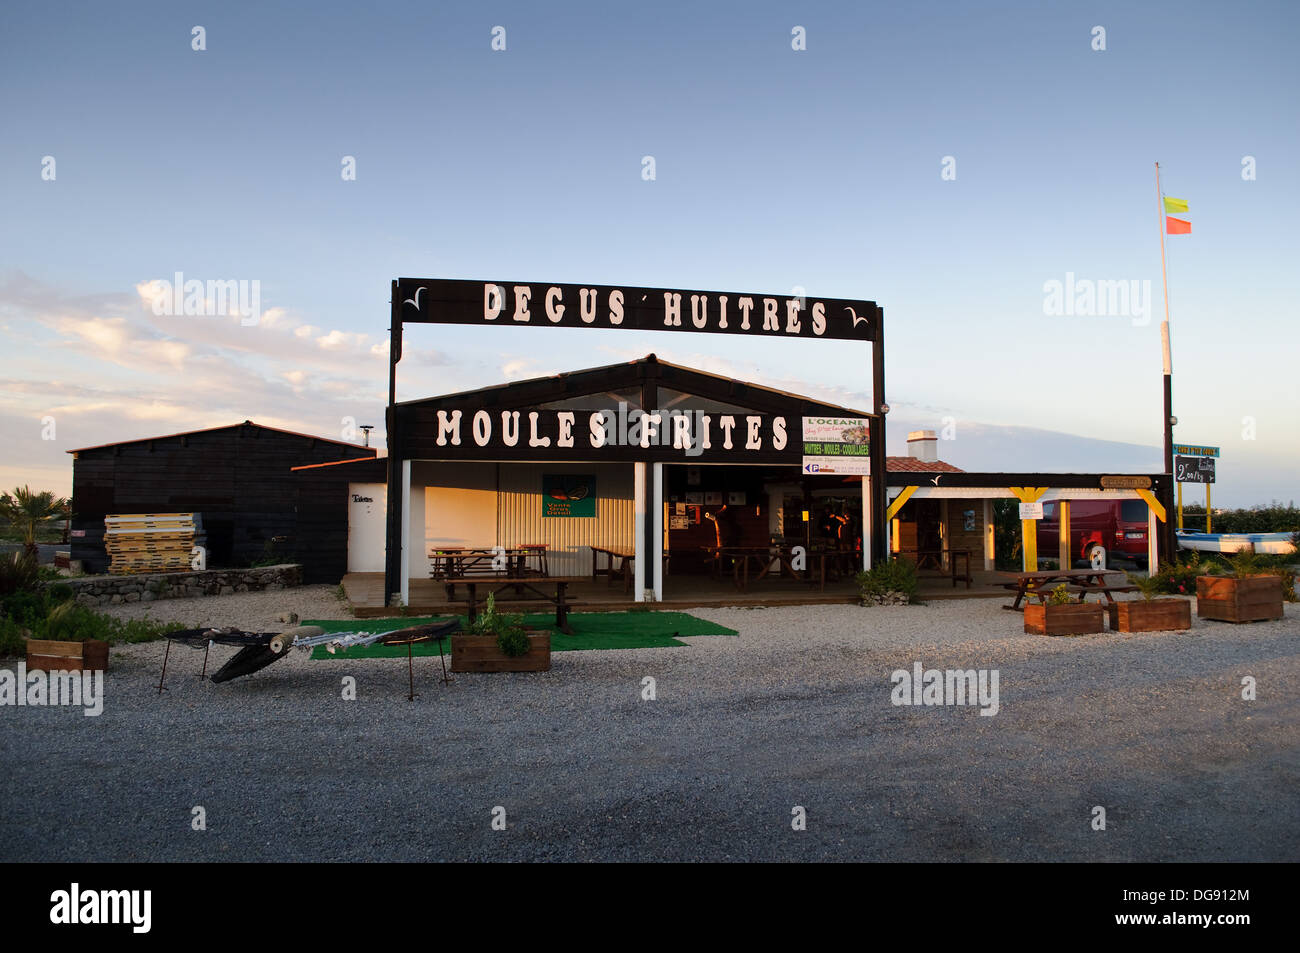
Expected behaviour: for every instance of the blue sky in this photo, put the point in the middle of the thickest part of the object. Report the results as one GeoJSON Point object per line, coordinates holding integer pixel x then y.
{"type": "Point", "coordinates": [775, 168]}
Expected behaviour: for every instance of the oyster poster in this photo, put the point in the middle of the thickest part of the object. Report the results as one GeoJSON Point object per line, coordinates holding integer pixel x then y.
{"type": "Point", "coordinates": [836, 445]}
{"type": "Point", "coordinates": [565, 494]}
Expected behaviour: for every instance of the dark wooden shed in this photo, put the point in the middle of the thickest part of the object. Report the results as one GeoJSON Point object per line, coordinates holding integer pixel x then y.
{"type": "Point", "coordinates": [239, 478]}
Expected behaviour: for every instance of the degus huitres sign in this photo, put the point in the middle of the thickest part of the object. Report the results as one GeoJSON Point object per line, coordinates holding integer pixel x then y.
{"type": "Point", "coordinates": [521, 304]}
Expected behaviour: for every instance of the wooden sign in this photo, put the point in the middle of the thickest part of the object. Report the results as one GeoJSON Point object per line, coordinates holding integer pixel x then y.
{"type": "Point", "coordinates": [547, 434]}
{"type": "Point", "coordinates": [1194, 450]}
{"type": "Point", "coordinates": [514, 304]}
{"type": "Point", "coordinates": [1126, 482]}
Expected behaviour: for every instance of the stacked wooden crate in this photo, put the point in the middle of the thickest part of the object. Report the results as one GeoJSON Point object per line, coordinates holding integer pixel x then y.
{"type": "Point", "coordinates": [152, 542]}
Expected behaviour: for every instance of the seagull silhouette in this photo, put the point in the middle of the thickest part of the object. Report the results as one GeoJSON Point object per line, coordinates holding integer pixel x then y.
{"type": "Point", "coordinates": [857, 319]}
{"type": "Point", "coordinates": [416, 300]}
{"type": "Point", "coordinates": [935, 480]}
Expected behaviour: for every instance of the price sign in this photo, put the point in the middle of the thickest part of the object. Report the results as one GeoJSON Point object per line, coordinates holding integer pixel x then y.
{"type": "Point", "coordinates": [1194, 469]}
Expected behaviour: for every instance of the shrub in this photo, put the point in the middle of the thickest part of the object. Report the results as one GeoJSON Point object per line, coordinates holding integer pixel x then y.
{"type": "Point", "coordinates": [1150, 586]}
{"type": "Point", "coordinates": [1060, 596]}
{"type": "Point", "coordinates": [1270, 518]}
{"type": "Point", "coordinates": [889, 578]}
{"type": "Point", "coordinates": [511, 638]}
{"type": "Point", "coordinates": [12, 642]}
{"type": "Point", "coordinates": [18, 571]}
{"type": "Point", "coordinates": [1179, 578]}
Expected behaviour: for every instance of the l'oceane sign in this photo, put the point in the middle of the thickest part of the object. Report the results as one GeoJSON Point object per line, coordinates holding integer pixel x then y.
{"type": "Point", "coordinates": [536, 304]}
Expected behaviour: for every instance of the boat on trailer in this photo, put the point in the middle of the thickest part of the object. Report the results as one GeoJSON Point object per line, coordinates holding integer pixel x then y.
{"type": "Point", "coordinates": [1273, 543]}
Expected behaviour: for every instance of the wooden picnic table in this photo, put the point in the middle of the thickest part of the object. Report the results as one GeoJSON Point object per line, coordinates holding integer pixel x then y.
{"type": "Point", "coordinates": [452, 564]}
{"type": "Point", "coordinates": [560, 600]}
{"type": "Point", "coordinates": [1078, 581]}
{"type": "Point", "coordinates": [617, 563]}
{"type": "Point", "coordinates": [937, 555]}
{"type": "Point", "coordinates": [764, 558]}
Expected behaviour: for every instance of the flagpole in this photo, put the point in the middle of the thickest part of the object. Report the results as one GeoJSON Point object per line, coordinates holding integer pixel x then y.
{"type": "Point", "coordinates": [1170, 538]}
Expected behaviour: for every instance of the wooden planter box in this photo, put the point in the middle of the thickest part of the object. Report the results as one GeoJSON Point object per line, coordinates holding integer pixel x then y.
{"type": "Point", "coordinates": [479, 653]}
{"type": "Point", "coordinates": [88, 656]}
{"type": "Point", "coordinates": [1158, 615]}
{"type": "Point", "coordinates": [1245, 599]}
{"type": "Point", "coordinates": [1077, 618]}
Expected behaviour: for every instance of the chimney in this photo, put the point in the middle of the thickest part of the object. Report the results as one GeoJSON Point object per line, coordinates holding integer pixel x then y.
{"type": "Point", "coordinates": [923, 445]}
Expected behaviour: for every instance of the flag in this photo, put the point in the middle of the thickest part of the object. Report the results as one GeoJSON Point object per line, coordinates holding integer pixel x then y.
{"type": "Point", "coordinates": [1175, 205]}
{"type": "Point", "coordinates": [1177, 226]}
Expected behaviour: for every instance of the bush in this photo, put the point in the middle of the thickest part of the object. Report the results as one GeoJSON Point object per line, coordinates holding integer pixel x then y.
{"type": "Point", "coordinates": [511, 638]}
{"type": "Point", "coordinates": [18, 572]}
{"type": "Point", "coordinates": [888, 579]}
{"type": "Point", "coordinates": [1179, 578]}
{"type": "Point", "coordinates": [1270, 518]}
{"type": "Point", "coordinates": [12, 642]}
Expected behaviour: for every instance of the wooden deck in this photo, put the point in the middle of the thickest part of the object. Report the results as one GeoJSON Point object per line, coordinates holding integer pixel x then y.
{"type": "Point", "coordinates": [365, 593]}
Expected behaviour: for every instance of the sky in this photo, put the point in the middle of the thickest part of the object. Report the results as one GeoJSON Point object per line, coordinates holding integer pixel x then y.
{"type": "Point", "coordinates": [946, 160]}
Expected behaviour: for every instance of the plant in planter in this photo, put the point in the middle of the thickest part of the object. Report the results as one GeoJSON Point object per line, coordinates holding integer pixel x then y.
{"type": "Point", "coordinates": [890, 582]}
{"type": "Point", "coordinates": [1250, 591]}
{"type": "Point", "coordinates": [66, 644]}
{"type": "Point", "coordinates": [1058, 614]}
{"type": "Point", "coordinates": [498, 642]}
{"type": "Point", "coordinates": [1149, 614]}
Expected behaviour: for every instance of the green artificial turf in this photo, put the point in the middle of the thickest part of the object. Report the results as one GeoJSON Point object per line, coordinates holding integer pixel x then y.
{"type": "Point", "coordinates": [591, 630]}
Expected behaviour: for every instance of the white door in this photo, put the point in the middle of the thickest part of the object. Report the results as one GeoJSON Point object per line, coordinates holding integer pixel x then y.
{"type": "Point", "coordinates": [367, 512]}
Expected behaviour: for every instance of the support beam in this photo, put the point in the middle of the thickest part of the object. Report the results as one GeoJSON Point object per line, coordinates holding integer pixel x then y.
{"type": "Point", "coordinates": [1154, 504]}
{"type": "Point", "coordinates": [1029, 528]}
{"type": "Point", "coordinates": [657, 514]}
{"type": "Point", "coordinates": [405, 561]}
{"type": "Point", "coordinates": [1065, 552]}
{"type": "Point", "coordinates": [868, 533]}
{"type": "Point", "coordinates": [1153, 545]}
{"type": "Point", "coordinates": [899, 501]}
{"type": "Point", "coordinates": [638, 532]}
{"type": "Point", "coordinates": [990, 538]}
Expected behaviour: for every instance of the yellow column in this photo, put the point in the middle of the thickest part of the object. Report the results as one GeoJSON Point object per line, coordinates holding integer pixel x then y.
{"type": "Point", "coordinates": [1028, 528]}
{"type": "Point", "coordinates": [1207, 509]}
{"type": "Point", "coordinates": [1180, 506]}
{"type": "Point", "coordinates": [1066, 552]}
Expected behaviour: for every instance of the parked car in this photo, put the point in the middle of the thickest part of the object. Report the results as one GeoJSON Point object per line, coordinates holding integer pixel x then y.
{"type": "Point", "coordinates": [1099, 530]}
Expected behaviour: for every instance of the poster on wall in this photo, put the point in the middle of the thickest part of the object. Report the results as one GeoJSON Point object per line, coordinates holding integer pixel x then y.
{"type": "Point", "coordinates": [568, 494]}
{"type": "Point", "coordinates": [836, 445]}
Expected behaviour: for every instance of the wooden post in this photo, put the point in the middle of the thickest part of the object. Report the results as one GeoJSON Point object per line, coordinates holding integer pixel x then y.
{"type": "Point", "coordinates": [1153, 545]}
{"type": "Point", "coordinates": [1029, 528]}
{"type": "Point", "coordinates": [639, 532]}
{"type": "Point", "coordinates": [1180, 506]}
{"type": "Point", "coordinates": [990, 538]}
{"type": "Point", "coordinates": [1207, 509]}
{"type": "Point", "coordinates": [1066, 551]}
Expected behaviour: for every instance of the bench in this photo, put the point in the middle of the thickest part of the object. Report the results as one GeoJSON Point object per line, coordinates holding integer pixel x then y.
{"type": "Point", "coordinates": [617, 563]}
{"type": "Point", "coordinates": [560, 600]}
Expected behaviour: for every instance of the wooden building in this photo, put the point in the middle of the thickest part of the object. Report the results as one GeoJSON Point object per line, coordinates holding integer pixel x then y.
{"type": "Point", "coordinates": [238, 478]}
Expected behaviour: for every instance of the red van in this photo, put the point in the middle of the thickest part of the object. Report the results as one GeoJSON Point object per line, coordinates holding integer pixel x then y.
{"type": "Point", "coordinates": [1099, 530]}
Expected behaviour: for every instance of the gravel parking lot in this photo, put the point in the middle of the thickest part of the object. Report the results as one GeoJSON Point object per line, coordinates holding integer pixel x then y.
{"type": "Point", "coordinates": [795, 712]}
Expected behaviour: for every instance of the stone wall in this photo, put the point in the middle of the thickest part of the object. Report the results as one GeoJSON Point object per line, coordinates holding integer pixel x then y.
{"type": "Point", "coordinates": [147, 587]}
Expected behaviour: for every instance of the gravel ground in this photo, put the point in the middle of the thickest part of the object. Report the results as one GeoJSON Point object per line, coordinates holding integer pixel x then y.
{"type": "Point", "coordinates": [794, 712]}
